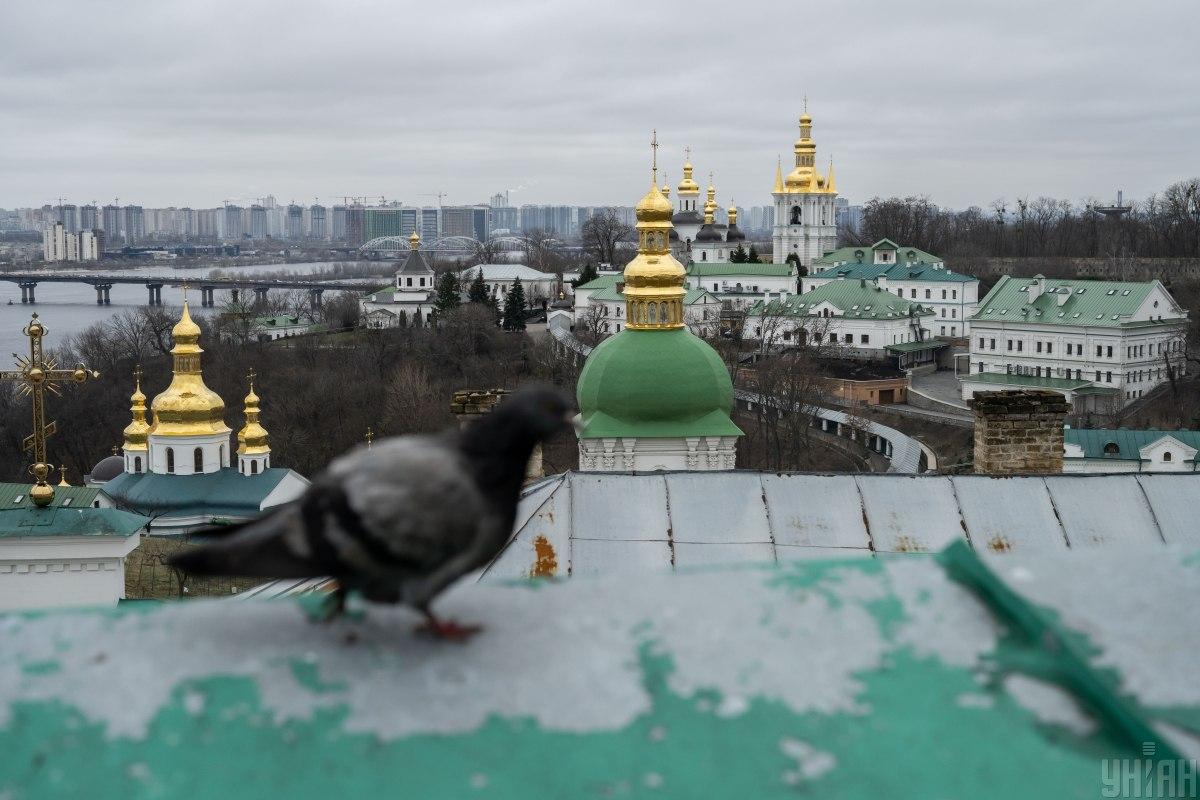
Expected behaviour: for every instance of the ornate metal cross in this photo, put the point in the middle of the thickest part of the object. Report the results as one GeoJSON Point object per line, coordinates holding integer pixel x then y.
{"type": "Point", "coordinates": [36, 375]}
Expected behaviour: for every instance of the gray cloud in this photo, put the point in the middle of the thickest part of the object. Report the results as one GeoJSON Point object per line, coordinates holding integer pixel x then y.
{"type": "Point", "coordinates": [172, 103]}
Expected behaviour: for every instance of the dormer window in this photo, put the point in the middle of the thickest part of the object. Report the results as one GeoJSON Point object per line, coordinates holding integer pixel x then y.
{"type": "Point", "coordinates": [1167, 456]}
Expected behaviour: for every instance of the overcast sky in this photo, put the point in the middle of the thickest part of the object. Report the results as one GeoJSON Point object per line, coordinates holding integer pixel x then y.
{"type": "Point", "coordinates": [191, 103]}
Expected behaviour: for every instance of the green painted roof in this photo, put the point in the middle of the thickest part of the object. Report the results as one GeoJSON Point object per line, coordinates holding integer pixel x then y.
{"type": "Point", "coordinates": [79, 496]}
{"type": "Point", "coordinates": [602, 281]}
{"type": "Point", "coordinates": [921, 271]}
{"type": "Point", "coordinates": [1091, 303]}
{"type": "Point", "coordinates": [1129, 442]}
{"type": "Point", "coordinates": [915, 347]}
{"type": "Point", "coordinates": [225, 492]}
{"type": "Point", "coordinates": [655, 384]}
{"type": "Point", "coordinates": [855, 299]}
{"type": "Point", "coordinates": [59, 521]}
{"type": "Point", "coordinates": [704, 269]}
{"type": "Point", "coordinates": [1068, 384]}
{"type": "Point", "coordinates": [866, 255]}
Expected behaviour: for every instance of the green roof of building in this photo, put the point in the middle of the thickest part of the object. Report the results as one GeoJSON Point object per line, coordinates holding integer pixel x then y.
{"type": "Point", "coordinates": [916, 347]}
{"type": "Point", "coordinates": [655, 384]}
{"type": "Point", "coordinates": [855, 299]}
{"type": "Point", "coordinates": [16, 495]}
{"type": "Point", "coordinates": [59, 521]}
{"type": "Point", "coordinates": [225, 492]}
{"type": "Point", "coordinates": [1128, 443]}
{"type": "Point", "coordinates": [602, 281]}
{"type": "Point", "coordinates": [705, 269]}
{"type": "Point", "coordinates": [1032, 381]}
{"type": "Point", "coordinates": [908, 271]}
{"type": "Point", "coordinates": [865, 254]}
{"type": "Point", "coordinates": [1090, 303]}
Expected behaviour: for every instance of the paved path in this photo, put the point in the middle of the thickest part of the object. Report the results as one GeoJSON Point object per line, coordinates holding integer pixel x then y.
{"type": "Point", "coordinates": [942, 386]}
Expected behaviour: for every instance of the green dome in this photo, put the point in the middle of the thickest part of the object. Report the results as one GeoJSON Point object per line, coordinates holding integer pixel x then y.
{"type": "Point", "coordinates": [655, 384]}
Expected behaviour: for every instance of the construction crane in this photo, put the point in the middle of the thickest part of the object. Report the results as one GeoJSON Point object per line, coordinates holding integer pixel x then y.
{"type": "Point", "coordinates": [438, 195]}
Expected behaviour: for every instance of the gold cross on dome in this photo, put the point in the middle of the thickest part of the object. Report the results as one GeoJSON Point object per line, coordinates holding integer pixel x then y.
{"type": "Point", "coordinates": [35, 375]}
{"type": "Point", "coordinates": [250, 376]}
{"type": "Point", "coordinates": [137, 373]}
{"type": "Point", "coordinates": [687, 153]}
{"type": "Point", "coordinates": [370, 437]}
{"type": "Point", "coordinates": [654, 150]}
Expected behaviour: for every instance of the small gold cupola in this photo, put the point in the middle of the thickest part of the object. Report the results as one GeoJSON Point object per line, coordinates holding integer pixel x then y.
{"type": "Point", "coordinates": [414, 240]}
{"type": "Point", "coordinates": [254, 450]}
{"type": "Point", "coordinates": [654, 279]}
{"type": "Point", "coordinates": [688, 186]}
{"type": "Point", "coordinates": [187, 407]}
{"type": "Point", "coordinates": [137, 431]}
{"type": "Point", "coordinates": [805, 178]}
{"type": "Point", "coordinates": [710, 205]}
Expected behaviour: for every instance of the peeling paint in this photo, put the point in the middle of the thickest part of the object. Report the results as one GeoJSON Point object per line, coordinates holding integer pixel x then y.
{"type": "Point", "coordinates": [545, 564]}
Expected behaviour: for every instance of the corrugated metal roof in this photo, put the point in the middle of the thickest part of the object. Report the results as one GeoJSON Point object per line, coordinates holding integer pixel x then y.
{"type": "Point", "coordinates": [855, 299]}
{"type": "Point", "coordinates": [593, 523]}
{"type": "Point", "coordinates": [707, 269]}
{"type": "Point", "coordinates": [506, 272]}
{"type": "Point", "coordinates": [58, 521]}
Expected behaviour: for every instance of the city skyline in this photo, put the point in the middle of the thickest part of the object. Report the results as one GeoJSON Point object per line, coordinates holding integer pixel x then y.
{"type": "Point", "coordinates": [551, 103]}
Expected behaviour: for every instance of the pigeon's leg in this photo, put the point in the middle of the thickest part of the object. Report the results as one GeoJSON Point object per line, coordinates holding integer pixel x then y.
{"type": "Point", "coordinates": [447, 629]}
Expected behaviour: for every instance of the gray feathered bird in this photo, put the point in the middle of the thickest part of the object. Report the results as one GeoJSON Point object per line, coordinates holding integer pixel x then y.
{"type": "Point", "coordinates": [401, 521]}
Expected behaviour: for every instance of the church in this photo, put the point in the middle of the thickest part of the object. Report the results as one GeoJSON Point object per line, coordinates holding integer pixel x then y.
{"type": "Point", "coordinates": [409, 299]}
{"type": "Point", "coordinates": [696, 236]}
{"type": "Point", "coordinates": [805, 205]}
{"type": "Point", "coordinates": [655, 396]}
{"type": "Point", "coordinates": [179, 469]}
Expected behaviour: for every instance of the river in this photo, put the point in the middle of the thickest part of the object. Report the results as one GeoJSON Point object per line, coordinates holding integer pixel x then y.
{"type": "Point", "coordinates": [68, 308]}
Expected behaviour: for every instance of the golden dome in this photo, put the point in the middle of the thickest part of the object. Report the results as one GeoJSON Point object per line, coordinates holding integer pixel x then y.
{"type": "Point", "coordinates": [187, 407]}
{"type": "Point", "coordinates": [666, 190]}
{"type": "Point", "coordinates": [414, 240]}
{"type": "Point", "coordinates": [653, 207]}
{"type": "Point", "coordinates": [137, 430]}
{"type": "Point", "coordinates": [805, 119]}
{"type": "Point", "coordinates": [252, 438]}
{"type": "Point", "coordinates": [710, 205]}
{"type": "Point", "coordinates": [732, 212]}
{"type": "Point", "coordinates": [688, 185]}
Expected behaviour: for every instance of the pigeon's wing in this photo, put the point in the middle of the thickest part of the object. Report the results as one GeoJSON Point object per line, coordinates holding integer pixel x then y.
{"type": "Point", "coordinates": [401, 509]}
{"type": "Point", "coordinates": [410, 505]}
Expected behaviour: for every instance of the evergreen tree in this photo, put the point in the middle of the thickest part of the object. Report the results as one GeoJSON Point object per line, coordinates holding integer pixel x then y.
{"type": "Point", "coordinates": [514, 307]}
{"type": "Point", "coordinates": [587, 274]}
{"type": "Point", "coordinates": [402, 320]}
{"type": "Point", "coordinates": [447, 293]}
{"type": "Point", "coordinates": [478, 292]}
{"type": "Point", "coordinates": [752, 256]}
{"type": "Point", "coordinates": [738, 256]}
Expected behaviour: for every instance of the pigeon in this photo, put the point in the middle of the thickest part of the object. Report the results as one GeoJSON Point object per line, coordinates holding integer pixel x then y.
{"type": "Point", "coordinates": [400, 521]}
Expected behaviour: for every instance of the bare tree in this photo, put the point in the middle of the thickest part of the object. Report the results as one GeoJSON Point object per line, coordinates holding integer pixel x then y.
{"type": "Point", "coordinates": [603, 233]}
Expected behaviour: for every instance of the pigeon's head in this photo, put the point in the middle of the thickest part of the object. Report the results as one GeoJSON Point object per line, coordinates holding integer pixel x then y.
{"type": "Point", "coordinates": [540, 410]}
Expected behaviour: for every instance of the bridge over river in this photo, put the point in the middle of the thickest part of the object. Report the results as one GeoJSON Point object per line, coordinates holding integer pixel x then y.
{"type": "Point", "coordinates": [28, 282]}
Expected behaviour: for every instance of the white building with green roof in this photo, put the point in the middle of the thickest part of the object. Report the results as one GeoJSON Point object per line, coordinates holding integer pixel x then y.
{"type": "Point", "coordinates": [851, 315]}
{"type": "Point", "coordinates": [70, 552]}
{"type": "Point", "coordinates": [907, 272]}
{"type": "Point", "coordinates": [1102, 344]}
{"type": "Point", "coordinates": [1147, 450]}
{"type": "Point", "coordinates": [739, 286]}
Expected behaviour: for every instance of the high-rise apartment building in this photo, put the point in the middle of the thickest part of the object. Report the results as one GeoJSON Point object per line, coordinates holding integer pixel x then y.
{"type": "Point", "coordinates": [379, 222]}
{"type": "Point", "coordinates": [258, 221]}
{"type": "Point", "coordinates": [431, 229]}
{"type": "Point", "coordinates": [356, 220]}
{"type": "Point", "coordinates": [88, 218]}
{"type": "Point", "coordinates": [68, 215]}
{"type": "Point", "coordinates": [110, 221]}
{"type": "Point", "coordinates": [133, 224]}
{"type": "Point", "coordinates": [337, 230]}
{"type": "Point", "coordinates": [294, 228]}
{"type": "Point", "coordinates": [316, 223]}
{"type": "Point", "coordinates": [504, 218]}
{"type": "Point", "coordinates": [59, 244]}
{"type": "Point", "coordinates": [232, 223]}
{"type": "Point", "coordinates": [469, 221]}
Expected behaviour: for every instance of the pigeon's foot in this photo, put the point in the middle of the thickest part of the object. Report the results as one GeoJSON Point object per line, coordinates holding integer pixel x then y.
{"type": "Point", "coordinates": [447, 629]}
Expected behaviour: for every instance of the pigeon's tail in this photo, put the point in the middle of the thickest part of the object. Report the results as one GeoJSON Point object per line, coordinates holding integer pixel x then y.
{"type": "Point", "coordinates": [266, 547]}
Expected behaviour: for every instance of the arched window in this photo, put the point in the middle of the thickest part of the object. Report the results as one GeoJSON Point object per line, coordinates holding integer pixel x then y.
{"type": "Point", "coordinates": [653, 313]}
{"type": "Point", "coordinates": [137, 463]}
{"type": "Point", "coordinates": [253, 467]}
{"type": "Point", "coordinates": [796, 215]}
{"type": "Point", "coordinates": [1111, 449]}
{"type": "Point", "coordinates": [704, 255]}
{"type": "Point", "coordinates": [198, 460]}
{"type": "Point", "coordinates": [170, 459]}
{"type": "Point", "coordinates": [1167, 456]}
